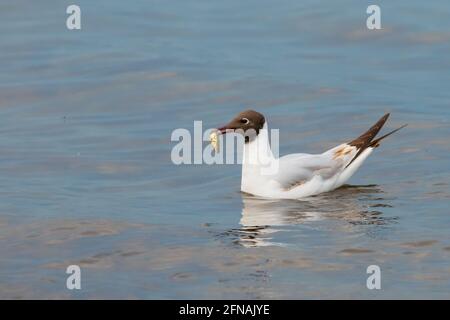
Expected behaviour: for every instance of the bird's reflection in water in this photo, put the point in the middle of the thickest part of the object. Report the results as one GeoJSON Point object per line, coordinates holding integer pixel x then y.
{"type": "Point", "coordinates": [350, 205]}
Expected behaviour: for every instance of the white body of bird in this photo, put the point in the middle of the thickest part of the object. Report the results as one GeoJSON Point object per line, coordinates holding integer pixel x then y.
{"type": "Point", "coordinates": [297, 175]}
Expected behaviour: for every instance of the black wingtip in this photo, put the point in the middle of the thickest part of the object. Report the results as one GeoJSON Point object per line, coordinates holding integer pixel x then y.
{"type": "Point", "coordinates": [364, 140]}
{"type": "Point", "coordinates": [375, 143]}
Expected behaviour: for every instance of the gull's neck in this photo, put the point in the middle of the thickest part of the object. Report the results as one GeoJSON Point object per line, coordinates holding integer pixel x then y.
{"type": "Point", "coordinates": [256, 157]}
{"type": "Point", "coordinates": [257, 151]}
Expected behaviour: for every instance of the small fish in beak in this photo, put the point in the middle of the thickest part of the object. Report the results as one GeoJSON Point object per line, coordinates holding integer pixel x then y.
{"type": "Point", "coordinates": [214, 139]}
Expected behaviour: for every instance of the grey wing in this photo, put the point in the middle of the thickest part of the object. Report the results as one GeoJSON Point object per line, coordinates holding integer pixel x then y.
{"type": "Point", "coordinates": [298, 168]}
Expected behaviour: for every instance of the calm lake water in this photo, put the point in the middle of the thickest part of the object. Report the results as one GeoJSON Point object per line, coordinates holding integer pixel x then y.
{"type": "Point", "coordinates": [86, 177]}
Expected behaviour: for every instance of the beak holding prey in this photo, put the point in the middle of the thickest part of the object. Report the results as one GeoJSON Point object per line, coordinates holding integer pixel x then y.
{"type": "Point", "coordinates": [214, 137]}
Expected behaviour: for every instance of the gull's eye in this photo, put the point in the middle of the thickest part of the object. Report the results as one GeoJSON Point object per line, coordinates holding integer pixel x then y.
{"type": "Point", "coordinates": [245, 121]}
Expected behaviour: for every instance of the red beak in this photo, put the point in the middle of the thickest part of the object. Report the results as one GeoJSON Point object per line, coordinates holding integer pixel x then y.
{"type": "Point", "coordinates": [225, 129]}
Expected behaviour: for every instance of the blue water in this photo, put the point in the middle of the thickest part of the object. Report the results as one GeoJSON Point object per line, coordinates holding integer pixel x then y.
{"type": "Point", "coordinates": [86, 118]}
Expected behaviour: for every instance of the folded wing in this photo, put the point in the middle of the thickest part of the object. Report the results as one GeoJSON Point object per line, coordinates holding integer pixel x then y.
{"type": "Point", "coordinates": [299, 168]}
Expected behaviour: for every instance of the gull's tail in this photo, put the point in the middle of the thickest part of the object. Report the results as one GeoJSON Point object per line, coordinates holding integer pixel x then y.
{"type": "Point", "coordinates": [366, 139]}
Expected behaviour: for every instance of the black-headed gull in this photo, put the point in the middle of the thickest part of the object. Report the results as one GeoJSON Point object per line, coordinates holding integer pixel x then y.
{"type": "Point", "coordinates": [297, 175]}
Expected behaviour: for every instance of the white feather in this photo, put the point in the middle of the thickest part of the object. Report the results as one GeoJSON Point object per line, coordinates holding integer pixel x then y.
{"type": "Point", "coordinates": [296, 175]}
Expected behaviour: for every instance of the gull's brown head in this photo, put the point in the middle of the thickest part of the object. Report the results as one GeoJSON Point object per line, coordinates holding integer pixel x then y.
{"type": "Point", "coordinates": [248, 122]}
